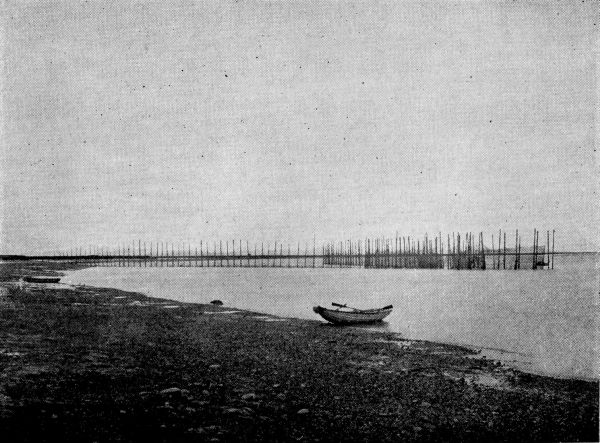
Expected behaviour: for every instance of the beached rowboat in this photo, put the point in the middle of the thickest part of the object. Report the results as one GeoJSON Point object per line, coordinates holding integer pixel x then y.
{"type": "Point", "coordinates": [345, 315]}
{"type": "Point", "coordinates": [32, 279]}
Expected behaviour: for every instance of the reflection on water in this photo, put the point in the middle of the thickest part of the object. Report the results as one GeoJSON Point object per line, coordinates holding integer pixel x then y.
{"type": "Point", "coordinates": [546, 321]}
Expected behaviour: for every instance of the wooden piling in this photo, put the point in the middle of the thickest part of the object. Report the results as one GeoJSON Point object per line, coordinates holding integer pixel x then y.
{"type": "Point", "coordinates": [548, 249]}
{"type": "Point", "coordinates": [504, 260]}
{"type": "Point", "coordinates": [519, 252]}
{"type": "Point", "coordinates": [493, 253]}
{"type": "Point", "coordinates": [553, 249]}
{"type": "Point", "coordinates": [537, 245]}
{"type": "Point", "coordinates": [483, 264]}
{"type": "Point", "coordinates": [514, 267]}
{"type": "Point", "coordinates": [262, 254]}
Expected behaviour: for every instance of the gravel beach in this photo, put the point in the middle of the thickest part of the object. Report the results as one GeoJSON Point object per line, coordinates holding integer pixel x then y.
{"type": "Point", "coordinates": [97, 364]}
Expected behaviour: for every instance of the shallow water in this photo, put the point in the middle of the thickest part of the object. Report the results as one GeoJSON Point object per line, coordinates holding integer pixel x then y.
{"type": "Point", "coordinates": [541, 321]}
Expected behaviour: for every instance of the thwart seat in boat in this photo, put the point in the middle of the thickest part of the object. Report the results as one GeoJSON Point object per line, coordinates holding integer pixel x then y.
{"type": "Point", "coordinates": [345, 315]}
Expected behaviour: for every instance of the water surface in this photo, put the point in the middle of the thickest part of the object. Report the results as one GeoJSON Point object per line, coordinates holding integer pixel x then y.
{"type": "Point", "coordinates": [542, 321]}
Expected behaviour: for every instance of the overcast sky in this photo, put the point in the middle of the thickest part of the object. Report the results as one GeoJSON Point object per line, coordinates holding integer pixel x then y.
{"type": "Point", "coordinates": [281, 120]}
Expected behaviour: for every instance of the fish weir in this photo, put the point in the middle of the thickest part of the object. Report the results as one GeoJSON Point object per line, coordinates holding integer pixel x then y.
{"type": "Point", "coordinates": [456, 251]}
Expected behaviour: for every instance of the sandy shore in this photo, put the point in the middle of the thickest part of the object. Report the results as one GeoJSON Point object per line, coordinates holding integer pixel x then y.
{"type": "Point", "coordinates": [96, 364]}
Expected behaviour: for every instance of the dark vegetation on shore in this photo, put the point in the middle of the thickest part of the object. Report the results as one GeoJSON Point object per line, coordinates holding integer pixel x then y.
{"type": "Point", "coordinates": [92, 364]}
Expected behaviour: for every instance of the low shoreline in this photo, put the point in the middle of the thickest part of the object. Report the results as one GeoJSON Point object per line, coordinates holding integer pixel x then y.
{"type": "Point", "coordinates": [98, 364]}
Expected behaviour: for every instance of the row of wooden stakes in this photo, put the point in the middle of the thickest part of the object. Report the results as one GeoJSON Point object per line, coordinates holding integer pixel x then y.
{"type": "Point", "coordinates": [456, 251]}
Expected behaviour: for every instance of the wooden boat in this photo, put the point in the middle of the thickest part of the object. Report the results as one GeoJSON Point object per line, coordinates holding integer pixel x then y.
{"type": "Point", "coordinates": [32, 279]}
{"type": "Point", "coordinates": [345, 315]}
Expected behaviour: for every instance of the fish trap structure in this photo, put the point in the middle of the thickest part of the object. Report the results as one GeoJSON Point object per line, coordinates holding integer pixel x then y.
{"type": "Point", "coordinates": [456, 251]}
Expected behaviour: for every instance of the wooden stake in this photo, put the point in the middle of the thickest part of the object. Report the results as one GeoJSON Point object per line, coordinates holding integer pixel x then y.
{"type": "Point", "coordinates": [534, 265]}
{"type": "Point", "coordinates": [504, 265]}
{"type": "Point", "coordinates": [553, 249]}
{"type": "Point", "coordinates": [516, 248]}
{"type": "Point", "coordinates": [548, 249]}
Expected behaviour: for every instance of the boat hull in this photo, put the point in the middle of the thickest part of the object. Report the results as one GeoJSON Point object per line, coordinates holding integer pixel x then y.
{"type": "Point", "coordinates": [31, 279]}
{"type": "Point", "coordinates": [339, 317]}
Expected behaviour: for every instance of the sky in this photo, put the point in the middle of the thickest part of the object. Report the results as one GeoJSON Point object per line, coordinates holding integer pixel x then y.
{"type": "Point", "coordinates": [183, 121]}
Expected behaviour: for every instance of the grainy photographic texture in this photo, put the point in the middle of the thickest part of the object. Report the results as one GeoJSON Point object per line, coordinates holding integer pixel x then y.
{"type": "Point", "coordinates": [299, 221]}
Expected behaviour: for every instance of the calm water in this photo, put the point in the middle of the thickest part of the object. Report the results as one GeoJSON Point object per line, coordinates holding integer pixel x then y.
{"type": "Point", "coordinates": [541, 321]}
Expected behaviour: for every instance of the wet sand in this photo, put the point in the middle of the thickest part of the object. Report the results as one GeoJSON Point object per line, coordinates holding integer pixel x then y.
{"type": "Point", "coordinates": [97, 364]}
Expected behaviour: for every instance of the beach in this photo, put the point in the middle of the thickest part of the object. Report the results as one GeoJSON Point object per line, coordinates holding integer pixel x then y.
{"type": "Point", "coordinates": [83, 363]}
